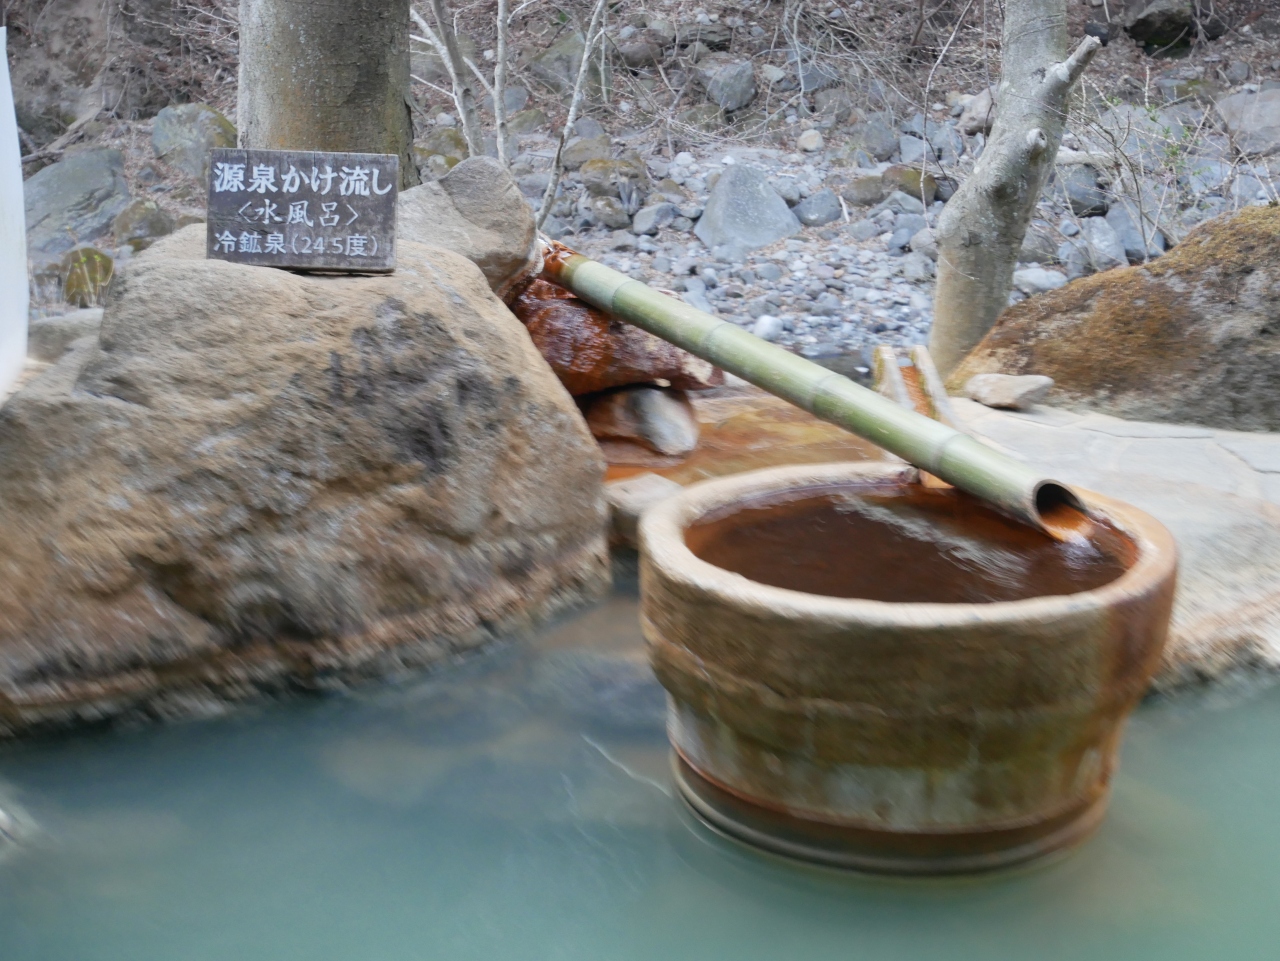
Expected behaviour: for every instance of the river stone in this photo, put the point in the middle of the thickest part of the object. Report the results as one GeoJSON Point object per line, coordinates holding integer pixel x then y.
{"type": "Point", "coordinates": [1038, 244]}
{"type": "Point", "coordinates": [1008, 391]}
{"type": "Point", "coordinates": [1124, 219]}
{"type": "Point", "coordinates": [648, 220]}
{"type": "Point", "coordinates": [810, 141]}
{"type": "Point", "coordinates": [660, 419]}
{"type": "Point", "coordinates": [863, 230]}
{"type": "Point", "coordinates": [1188, 338]}
{"type": "Point", "coordinates": [819, 208]}
{"type": "Point", "coordinates": [875, 137]}
{"type": "Point", "coordinates": [1036, 280]}
{"type": "Point", "coordinates": [581, 149]}
{"type": "Point", "coordinates": [979, 114]}
{"type": "Point", "coordinates": [1105, 248]}
{"type": "Point", "coordinates": [744, 210]}
{"type": "Point", "coordinates": [1160, 22]}
{"type": "Point", "coordinates": [477, 211]}
{"type": "Point", "coordinates": [733, 86]}
{"type": "Point", "coordinates": [640, 53]}
{"type": "Point", "coordinates": [835, 104]}
{"type": "Point", "coordinates": [1079, 182]}
{"type": "Point", "coordinates": [703, 116]}
{"type": "Point", "coordinates": [909, 181]}
{"type": "Point", "coordinates": [557, 66]}
{"type": "Point", "coordinates": [444, 142]}
{"type": "Point", "coordinates": [924, 241]}
{"type": "Point", "coordinates": [141, 223]}
{"type": "Point", "coordinates": [514, 99]}
{"type": "Point", "coordinates": [602, 177]}
{"type": "Point", "coordinates": [610, 212]}
{"type": "Point", "coordinates": [259, 480]}
{"type": "Point", "coordinates": [529, 120]}
{"type": "Point", "coordinates": [863, 188]}
{"type": "Point", "coordinates": [1253, 120]}
{"type": "Point", "coordinates": [73, 201]}
{"type": "Point", "coordinates": [913, 150]}
{"type": "Point", "coordinates": [183, 135]}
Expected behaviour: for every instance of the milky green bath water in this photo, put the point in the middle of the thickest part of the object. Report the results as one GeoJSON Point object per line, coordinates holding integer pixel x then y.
{"type": "Point", "coordinates": [518, 806]}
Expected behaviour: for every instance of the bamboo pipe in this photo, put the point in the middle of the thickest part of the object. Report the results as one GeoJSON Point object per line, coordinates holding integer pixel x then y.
{"type": "Point", "coordinates": [956, 458]}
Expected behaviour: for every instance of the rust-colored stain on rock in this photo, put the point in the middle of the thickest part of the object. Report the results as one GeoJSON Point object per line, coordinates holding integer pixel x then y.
{"type": "Point", "coordinates": [743, 429]}
{"type": "Point", "coordinates": [1189, 338]}
{"type": "Point", "coordinates": [590, 351]}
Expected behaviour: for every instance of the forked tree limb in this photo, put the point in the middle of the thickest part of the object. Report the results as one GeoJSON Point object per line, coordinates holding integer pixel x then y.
{"type": "Point", "coordinates": [981, 229]}
{"type": "Point", "coordinates": [445, 40]}
{"type": "Point", "coordinates": [557, 167]}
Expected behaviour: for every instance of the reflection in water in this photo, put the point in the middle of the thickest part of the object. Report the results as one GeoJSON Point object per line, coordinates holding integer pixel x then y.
{"type": "Point", "coordinates": [518, 807]}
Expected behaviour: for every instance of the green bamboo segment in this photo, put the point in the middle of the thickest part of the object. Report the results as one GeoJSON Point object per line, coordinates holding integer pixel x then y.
{"type": "Point", "coordinates": [928, 444]}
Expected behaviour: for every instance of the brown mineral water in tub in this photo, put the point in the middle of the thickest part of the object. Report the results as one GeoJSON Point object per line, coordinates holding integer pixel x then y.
{"type": "Point", "coordinates": [905, 545]}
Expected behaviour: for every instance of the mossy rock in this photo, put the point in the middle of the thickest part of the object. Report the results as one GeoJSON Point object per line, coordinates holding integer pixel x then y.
{"type": "Point", "coordinates": [1193, 337]}
{"type": "Point", "coordinates": [142, 223]}
{"type": "Point", "coordinates": [446, 142]}
{"type": "Point", "coordinates": [183, 135]}
{"type": "Point", "coordinates": [527, 121]}
{"type": "Point", "coordinates": [86, 274]}
{"type": "Point", "coordinates": [908, 179]}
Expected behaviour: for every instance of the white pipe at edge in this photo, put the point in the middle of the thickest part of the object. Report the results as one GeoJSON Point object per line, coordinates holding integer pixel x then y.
{"type": "Point", "coordinates": [15, 291]}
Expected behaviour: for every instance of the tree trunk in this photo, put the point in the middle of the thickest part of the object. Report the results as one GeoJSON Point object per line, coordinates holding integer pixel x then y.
{"type": "Point", "coordinates": [327, 76]}
{"type": "Point", "coordinates": [981, 229]}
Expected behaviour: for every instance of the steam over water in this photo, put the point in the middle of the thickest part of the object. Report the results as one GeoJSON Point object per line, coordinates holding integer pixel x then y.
{"type": "Point", "coordinates": [518, 808]}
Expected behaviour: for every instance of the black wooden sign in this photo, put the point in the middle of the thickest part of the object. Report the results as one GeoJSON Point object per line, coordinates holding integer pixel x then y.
{"type": "Point", "coordinates": [303, 210]}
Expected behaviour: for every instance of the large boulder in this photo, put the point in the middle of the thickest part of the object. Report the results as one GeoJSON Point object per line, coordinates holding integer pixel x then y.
{"type": "Point", "coordinates": [73, 201]}
{"type": "Point", "coordinates": [475, 210]}
{"type": "Point", "coordinates": [1160, 22]}
{"type": "Point", "coordinates": [1253, 120]}
{"type": "Point", "coordinates": [259, 480]}
{"type": "Point", "coordinates": [874, 136]}
{"type": "Point", "coordinates": [1193, 337]}
{"type": "Point", "coordinates": [183, 135]}
{"type": "Point", "coordinates": [745, 211]}
{"type": "Point", "coordinates": [733, 86]}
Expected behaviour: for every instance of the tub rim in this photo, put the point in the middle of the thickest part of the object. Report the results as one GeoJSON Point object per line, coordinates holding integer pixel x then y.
{"type": "Point", "coordinates": [662, 545]}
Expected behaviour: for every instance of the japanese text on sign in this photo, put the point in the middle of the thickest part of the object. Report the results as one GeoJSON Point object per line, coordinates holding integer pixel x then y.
{"type": "Point", "coordinates": [283, 208]}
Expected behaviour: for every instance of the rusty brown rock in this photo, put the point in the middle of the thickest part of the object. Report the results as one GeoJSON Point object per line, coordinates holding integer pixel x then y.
{"type": "Point", "coordinates": [1193, 337]}
{"type": "Point", "coordinates": [591, 351]}
{"type": "Point", "coordinates": [259, 481]}
{"type": "Point", "coordinates": [907, 736]}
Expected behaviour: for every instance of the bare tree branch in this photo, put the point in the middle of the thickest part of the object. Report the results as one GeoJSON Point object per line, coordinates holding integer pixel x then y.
{"type": "Point", "coordinates": [557, 167]}
{"type": "Point", "coordinates": [500, 84]}
{"type": "Point", "coordinates": [464, 95]}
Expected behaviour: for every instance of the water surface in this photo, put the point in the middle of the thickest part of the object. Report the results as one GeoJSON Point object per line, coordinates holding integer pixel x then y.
{"type": "Point", "coordinates": [518, 806]}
